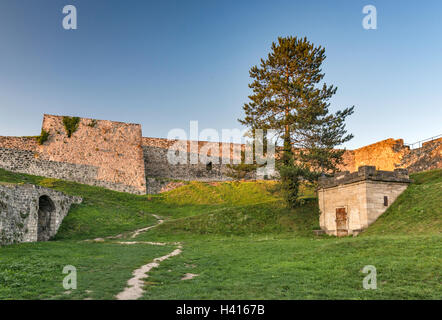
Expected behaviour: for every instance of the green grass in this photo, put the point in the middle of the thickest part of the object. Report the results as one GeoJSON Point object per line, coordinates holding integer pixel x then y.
{"type": "Point", "coordinates": [102, 213]}
{"type": "Point", "coordinates": [275, 268]}
{"type": "Point", "coordinates": [418, 210]}
{"type": "Point", "coordinates": [225, 193]}
{"type": "Point", "coordinates": [238, 237]}
{"type": "Point", "coordinates": [105, 212]}
{"type": "Point", "coordinates": [34, 270]}
{"type": "Point", "coordinates": [245, 220]}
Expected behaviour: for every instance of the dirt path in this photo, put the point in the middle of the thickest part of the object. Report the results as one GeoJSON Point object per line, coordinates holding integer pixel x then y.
{"type": "Point", "coordinates": [137, 232]}
{"type": "Point", "coordinates": [134, 289]}
{"type": "Point", "coordinates": [134, 233]}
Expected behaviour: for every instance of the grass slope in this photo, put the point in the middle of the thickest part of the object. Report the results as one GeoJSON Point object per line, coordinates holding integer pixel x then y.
{"type": "Point", "coordinates": [102, 213]}
{"type": "Point", "coordinates": [34, 270]}
{"type": "Point", "coordinates": [300, 268]}
{"type": "Point", "coordinates": [238, 237]}
{"type": "Point", "coordinates": [245, 220]}
{"type": "Point", "coordinates": [418, 210]}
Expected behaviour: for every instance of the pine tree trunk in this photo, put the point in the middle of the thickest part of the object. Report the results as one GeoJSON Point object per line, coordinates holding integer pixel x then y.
{"type": "Point", "coordinates": [287, 140]}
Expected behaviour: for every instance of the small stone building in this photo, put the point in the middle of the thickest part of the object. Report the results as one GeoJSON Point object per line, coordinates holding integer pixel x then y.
{"type": "Point", "coordinates": [350, 202]}
{"type": "Point", "coordinates": [31, 213]}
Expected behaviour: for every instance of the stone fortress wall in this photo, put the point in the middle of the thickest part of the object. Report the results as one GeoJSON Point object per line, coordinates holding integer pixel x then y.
{"type": "Point", "coordinates": [114, 155]}
{"type": "Point", "coordinates": [101, 153]}
{"type": "Point", "coordinates": [157, 165]}
{"type": "Point", "coordinates": [113, 148]}
{"type": "Point", "coordinates": [19, 143]}
{"type": "Point", "coordinates": [210, 163]}
{"type": "Point", "coordinates": [392, 154]}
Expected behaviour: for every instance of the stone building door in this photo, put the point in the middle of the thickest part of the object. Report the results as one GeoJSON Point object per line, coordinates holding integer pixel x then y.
{"type": "Point", "coordinates": [341, 222]}
{"type": "Point", "coordinates": [45, 209]}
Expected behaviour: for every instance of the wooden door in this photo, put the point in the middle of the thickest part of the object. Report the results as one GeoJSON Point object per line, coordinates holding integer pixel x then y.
{"type": "Point", "coordinates": [341, 222]}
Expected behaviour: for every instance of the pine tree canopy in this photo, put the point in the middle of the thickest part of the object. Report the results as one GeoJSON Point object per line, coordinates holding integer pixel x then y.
{"type": "Point", "coordinates": [289, 97]}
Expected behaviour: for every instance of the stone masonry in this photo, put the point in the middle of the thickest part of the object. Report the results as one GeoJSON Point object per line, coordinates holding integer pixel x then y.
{"type": "Point", "coordinates": [350, 202]}
{"type": "Point", "coordinates": [100, 153]}
{"type": "Point", "coordinates": [113, 148]}
{"type": "Point", "coordinates": [210, 168]}
{"type": "Point", "coordinates": [114, 155]}
{"type": "Point", "coordinates": [31, 213]}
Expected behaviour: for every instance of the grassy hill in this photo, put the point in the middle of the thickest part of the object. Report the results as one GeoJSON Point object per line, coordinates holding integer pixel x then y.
{"type": "Point", "coordinates": [240, 240]}
{"type": "Point", "coordinates": [231, 208]}
{"type": "Point", "coordinates": [418, 210]}
{"type": "Point", "coordinates": [224, 208]}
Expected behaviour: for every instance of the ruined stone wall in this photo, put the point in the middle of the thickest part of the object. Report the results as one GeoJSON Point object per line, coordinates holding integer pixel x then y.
{"type": "Point", "coordinates": [116, 156]}
{"type": "Point", "coordinates": [427, 157]}
{"type": "Point", "coordinates": [26, 162]}
{"type": "Point", "coordinates": [390, 154]}
{"type": "Point", "coordinates": [160, 185]}
{"type": "Point", "coordinates": [19, 143]}
{"type": "Point", "coordinates": [25, 217]}
{"type": "Point", "coordinates": [114, 148]}
{"type": "Point", "coordinates": [233, 150]}
{"type": "Point", "coordinates": [16, 160]}
{"type": "Point", "coordinates": [210, 168]}
{"type": "Point", "coordinates": [100, 153]}
{"type": "Point", "coordinates": [384, 155]}
{"type": "Point", "coordinates": [158, 166]}
{"type": "Point", "coordinates": [348, 161]}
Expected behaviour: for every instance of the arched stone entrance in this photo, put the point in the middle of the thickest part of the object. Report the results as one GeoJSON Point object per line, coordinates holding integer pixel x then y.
{"type": "Point", "coordinates": [45, 209]}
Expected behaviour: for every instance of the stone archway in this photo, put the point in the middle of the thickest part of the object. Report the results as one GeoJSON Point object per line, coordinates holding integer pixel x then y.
{"type": "Point", "coordinates": [45, 210]}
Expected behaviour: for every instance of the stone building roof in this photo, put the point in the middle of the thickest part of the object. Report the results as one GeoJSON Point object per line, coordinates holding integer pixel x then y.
{"type": "Point", "coordinates": [364, 173]}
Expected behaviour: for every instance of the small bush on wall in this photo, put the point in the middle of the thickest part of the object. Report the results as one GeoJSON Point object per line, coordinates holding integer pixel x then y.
{"type": "Point", "coordinates": [93, 123]}
{"type": "Point", "coordinates": [71, 125]}
{"type": "Point", "coordinates": [43, 137]}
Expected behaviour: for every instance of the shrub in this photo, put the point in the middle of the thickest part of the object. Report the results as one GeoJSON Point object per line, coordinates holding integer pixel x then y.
{"type": "Point", "coordinates": [93, 123]}
{"type": "Point", "coordinates": [71, 125]}
{"type": "Point", "coordinates": [43, 137]}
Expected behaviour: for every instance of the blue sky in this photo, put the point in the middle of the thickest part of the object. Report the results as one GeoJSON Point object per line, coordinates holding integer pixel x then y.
{"type": "Point", "coordinates": [165, 63]}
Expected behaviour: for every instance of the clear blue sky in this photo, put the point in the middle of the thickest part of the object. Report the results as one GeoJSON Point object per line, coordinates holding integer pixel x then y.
{"type": "Point", "coordinates": [164, 63]}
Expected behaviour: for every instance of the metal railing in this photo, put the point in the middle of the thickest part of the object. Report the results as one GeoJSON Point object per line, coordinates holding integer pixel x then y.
{"type": "Point", "coordinates": [418, 144]}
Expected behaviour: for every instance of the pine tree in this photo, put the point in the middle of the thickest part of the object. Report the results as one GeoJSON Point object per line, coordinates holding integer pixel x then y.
{"type": "Point", "coordinates": [288, 97]}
